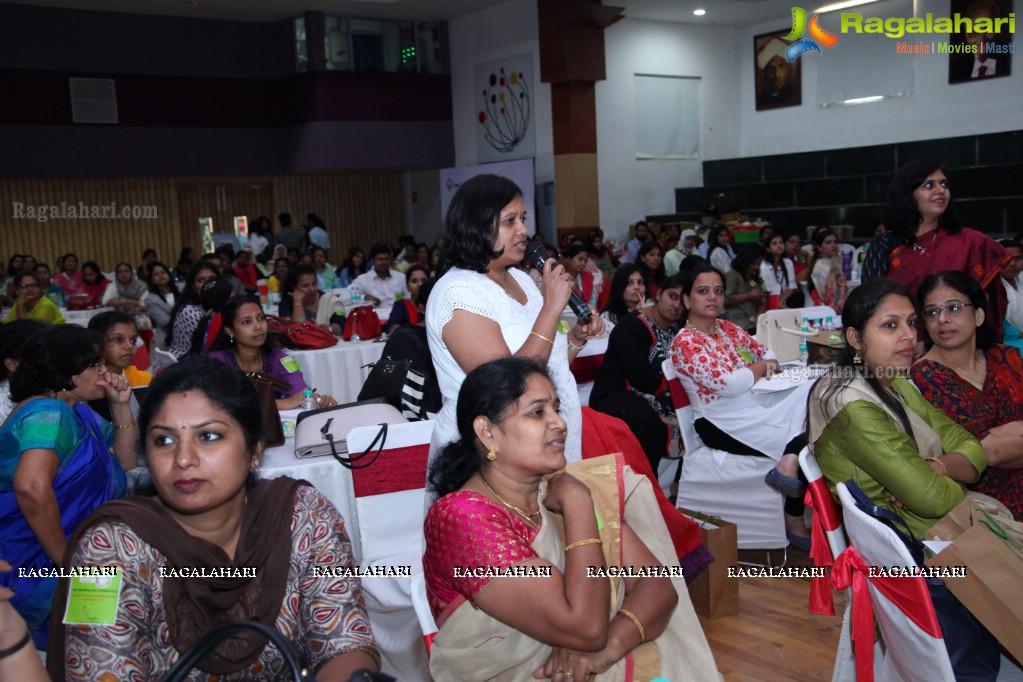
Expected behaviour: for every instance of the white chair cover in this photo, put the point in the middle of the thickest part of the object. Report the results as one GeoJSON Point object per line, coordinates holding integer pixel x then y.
{"type": "Point", "coordinates": [845, 662]}
{"type": "Point", "coordinates": [718, 483]}
{"type": "Point", "coordinates": [771, 325]}
{"type": "Point", "coordinates": [911, 655]}
{"type": "Point", "coordinates": [390, 504]}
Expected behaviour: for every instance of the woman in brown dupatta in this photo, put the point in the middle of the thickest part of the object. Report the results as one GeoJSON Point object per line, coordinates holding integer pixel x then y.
{"type": "Point", "coordinates": [523, 564]}
{"type": "Point", "coordinates": [208, 550]}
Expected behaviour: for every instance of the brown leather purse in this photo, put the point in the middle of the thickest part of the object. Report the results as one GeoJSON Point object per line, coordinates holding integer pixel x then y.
{"type": "Point", "coordinates": [265, 385]}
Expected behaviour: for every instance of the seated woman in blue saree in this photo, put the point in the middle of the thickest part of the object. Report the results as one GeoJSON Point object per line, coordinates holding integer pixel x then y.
{"type": "Point", "coordinates": [59, 460]}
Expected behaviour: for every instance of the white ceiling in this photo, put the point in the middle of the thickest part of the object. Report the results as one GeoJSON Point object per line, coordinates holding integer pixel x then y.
{"type": "Point", "coordinates": [736, 13]}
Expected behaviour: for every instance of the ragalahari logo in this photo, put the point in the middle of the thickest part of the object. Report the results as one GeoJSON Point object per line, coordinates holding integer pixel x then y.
{"type": "Point", "coordinates": [818, 36]}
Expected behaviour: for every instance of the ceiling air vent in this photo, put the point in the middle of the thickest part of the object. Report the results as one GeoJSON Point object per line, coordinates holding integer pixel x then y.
{"type": "Point", "coordinates": [93, 100]}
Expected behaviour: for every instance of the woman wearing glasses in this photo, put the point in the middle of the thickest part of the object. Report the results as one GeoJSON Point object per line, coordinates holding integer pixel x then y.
{"type": "Point", "coordinates": [30, 304]}
{"type": "Point", "coordinates": [976, 382]}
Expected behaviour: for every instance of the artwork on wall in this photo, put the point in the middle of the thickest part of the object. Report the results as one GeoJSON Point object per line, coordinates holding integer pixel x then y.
{"type": "Point", "coordinates": [504, 109]}
{"type": "Point", "coordinates": [986, 50]}
{"type": "Point", "coordinates": [778, 83]}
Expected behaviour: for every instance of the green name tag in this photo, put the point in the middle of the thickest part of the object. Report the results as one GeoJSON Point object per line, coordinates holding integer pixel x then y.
{"type": "Point", "coordinates": [291, 364]}
{"type": "Point", "coordinates": [562, 327]}
{"type": "Point", "coordinates": [93, 600]}
{"type": "Point", "coordinates": [746, 355]}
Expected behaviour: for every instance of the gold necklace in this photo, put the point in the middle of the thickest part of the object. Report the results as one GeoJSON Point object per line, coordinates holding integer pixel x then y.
{"type": "Point", "coordinates": [969, 376]}
{"type": "Point", "coordinates": [527, 517]}
{"type": "Point", "coordinates": [715, 330]}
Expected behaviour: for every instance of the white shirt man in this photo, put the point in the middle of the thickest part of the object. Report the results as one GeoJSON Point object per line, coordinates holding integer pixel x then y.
{"type": "Point", "coordinates": [381, 284]}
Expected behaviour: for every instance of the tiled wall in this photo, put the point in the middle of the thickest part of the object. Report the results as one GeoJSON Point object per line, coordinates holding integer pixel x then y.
{"type": "Point", "coordinates": [847, 186]}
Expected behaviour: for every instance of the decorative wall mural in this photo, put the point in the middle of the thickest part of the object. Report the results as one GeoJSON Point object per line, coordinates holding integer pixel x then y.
{"type": "Point", "coordinates": [504, 118]}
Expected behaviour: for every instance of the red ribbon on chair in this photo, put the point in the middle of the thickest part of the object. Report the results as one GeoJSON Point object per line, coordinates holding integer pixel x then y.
{"type": "Point", "coordinates": [825, 518]}
{"type": "Point", "coordinates": [910, 595]}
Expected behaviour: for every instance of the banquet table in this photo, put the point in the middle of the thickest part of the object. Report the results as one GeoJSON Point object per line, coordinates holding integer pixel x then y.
{"type": "Point", "coordinates": [340, 370]}
{"type": "Point", "coordinates": [82, 317]}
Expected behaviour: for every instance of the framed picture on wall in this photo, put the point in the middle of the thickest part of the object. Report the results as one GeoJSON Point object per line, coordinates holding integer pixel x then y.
{"type": "Point", "coordinates": [779, 83]}
{"type": "Point", "coordinates": [985, 53]}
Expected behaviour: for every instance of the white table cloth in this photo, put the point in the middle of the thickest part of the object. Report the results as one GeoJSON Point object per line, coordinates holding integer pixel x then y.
{"type": "Point", "coordinates": [341, 370]}
{"type": "Point", "coordinates": [82, 317]}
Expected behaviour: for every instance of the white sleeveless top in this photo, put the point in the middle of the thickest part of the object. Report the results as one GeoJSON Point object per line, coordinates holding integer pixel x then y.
{"type": "Point", "coordinates": [476, 293]}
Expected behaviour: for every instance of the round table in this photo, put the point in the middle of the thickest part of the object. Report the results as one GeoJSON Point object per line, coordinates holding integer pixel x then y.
{"type": "Point", "coordinates": [340, 370]}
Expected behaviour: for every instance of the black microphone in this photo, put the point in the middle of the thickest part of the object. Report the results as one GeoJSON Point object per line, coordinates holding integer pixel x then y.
{"type": "Point", "coordinates": [537, 255]}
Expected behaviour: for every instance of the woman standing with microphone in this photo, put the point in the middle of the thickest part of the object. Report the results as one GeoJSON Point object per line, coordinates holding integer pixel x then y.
{"type": "Point", "coordinates": [484, 308]}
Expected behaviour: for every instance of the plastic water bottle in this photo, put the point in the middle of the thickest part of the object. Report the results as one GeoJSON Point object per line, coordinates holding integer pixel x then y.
{"type": "Point", "coordinates": [356, 338]}
{"type": "Point", "coordinates": [816, 325]}
{"type": "Point", "coordinates": [356, 297]}
{"type": "Point", "coordinates": [829, 324]}
{"type": "Point", "coordinates": [308, 402]}
{"type": "Point", "coordinates": [804, 352]}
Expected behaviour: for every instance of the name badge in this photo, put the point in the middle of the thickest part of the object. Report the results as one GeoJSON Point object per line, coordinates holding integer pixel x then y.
{"type": "Point", "coordinates": [291, 364]}
{"type": "Point", "coordinates": [93, 600]}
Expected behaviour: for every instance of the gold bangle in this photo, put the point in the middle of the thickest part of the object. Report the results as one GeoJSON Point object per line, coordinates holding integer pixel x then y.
{"type": "Point", "coordinates": [580, 543]}
{"type": "Point", "coordinates": [944, 471]}
{"type": "Point", "coordinates": [542, 337]}
{"type": "Point", "coordinates": [635, 621]}
{"type": "Point", "coordinates": [124, 427]}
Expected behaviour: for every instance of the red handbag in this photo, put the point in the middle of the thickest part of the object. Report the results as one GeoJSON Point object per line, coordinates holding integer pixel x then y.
{"type": "Point", "coordinates": [362, 322]}
{"type": "Point", "coordinates": [300, 335]}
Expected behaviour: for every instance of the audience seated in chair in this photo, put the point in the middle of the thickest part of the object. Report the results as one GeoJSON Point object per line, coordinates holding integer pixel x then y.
{"type": "Point", "coordinates": [722, 362]}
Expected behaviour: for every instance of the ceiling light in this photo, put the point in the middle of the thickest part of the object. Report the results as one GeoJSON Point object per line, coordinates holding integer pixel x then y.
{"type": "Point", "coordinates": [842, 5]}
{"type": "Point", "coordinates": [699, 12]}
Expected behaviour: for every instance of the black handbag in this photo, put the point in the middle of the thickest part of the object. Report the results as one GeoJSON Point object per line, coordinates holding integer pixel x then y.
{"type": "Point", "coordinates": [296, 663]}
{"type": "Point", "coordinates": [398, 383]}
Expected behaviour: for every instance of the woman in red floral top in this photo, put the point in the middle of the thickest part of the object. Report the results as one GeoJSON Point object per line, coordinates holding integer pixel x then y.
{"type": "Point", "coordinates": [719, 363]}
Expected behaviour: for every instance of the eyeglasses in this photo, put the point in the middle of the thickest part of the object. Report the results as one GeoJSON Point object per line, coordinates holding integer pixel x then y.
{"type": "Point", "coordinates": [28, 286]}
{"type": "Point", "coordinates": [934, 312]}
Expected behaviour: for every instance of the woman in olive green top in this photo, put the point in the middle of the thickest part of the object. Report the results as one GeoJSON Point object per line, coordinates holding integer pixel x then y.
{"type": "Point", "coordinates": [868, 423]}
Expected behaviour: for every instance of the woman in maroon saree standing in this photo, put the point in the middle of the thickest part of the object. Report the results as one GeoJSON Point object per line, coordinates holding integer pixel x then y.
{"type": "Point", "coordinates": [924, 236]}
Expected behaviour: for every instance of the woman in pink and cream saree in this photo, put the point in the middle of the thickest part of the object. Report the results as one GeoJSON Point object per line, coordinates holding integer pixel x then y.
{"type": "Point", "coordinates": [535, 571]}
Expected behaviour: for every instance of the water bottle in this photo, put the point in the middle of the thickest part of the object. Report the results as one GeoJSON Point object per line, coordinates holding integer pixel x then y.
{"type": "Point", "coordinates": [356, 338]}
{"type": "Point", "coordinates": [804, 352]}
{"type": "Point", "coordinates": [308, 402]}
{"type": "Point", "coordinates": [356, 297]}
{"type": "Point", "coordinates": [847, 264]}
{"type": "Point", "coordinates": [829, 324]}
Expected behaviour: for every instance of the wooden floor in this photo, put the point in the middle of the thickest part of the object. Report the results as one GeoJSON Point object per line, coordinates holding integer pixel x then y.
{"type": "Point", "coordinates": [774, 636]}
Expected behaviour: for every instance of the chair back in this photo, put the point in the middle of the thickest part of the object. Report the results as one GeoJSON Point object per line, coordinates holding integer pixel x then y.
{"type": "Point", "coordinates": [683, 408]}
{"type": "Point", "coordinates": [160, 359]}
{"type": "Point", "coordinates": [772, 326]}
{"type": "Point", "coordinates": [912, 654]}
{"type": "Point", "coordinates": [390, 506]}
{"type": "Point", "coordinates": [390, 495]}
{"type": "Point", "coordinates": [824, 509]}
{"type": "Point", "coordinates": [423, 613]}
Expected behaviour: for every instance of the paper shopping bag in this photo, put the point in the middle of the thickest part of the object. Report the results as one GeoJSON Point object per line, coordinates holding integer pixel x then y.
{"type": "Point", "coordinates": [713, 593]}
{"type": "Point", "coordinates": [988, 551]}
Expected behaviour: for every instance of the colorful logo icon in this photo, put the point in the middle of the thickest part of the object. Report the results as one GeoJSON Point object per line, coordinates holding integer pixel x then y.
{"type": "Point", "coordinates": [818, 36]}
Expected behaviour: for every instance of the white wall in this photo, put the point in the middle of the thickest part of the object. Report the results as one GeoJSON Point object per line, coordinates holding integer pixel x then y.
{"type": "Point", "coordinates": [723, 59]}
{"type": "Point", "coordinates": [934, 110]}
{"type": "Point", "coordinates": [505, 30]}
{"type": "Point", "coordinates": [629, 188]}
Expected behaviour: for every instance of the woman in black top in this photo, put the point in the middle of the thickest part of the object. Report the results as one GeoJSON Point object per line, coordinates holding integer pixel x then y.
{"type": "Point", "coordinates": [630, 384]}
